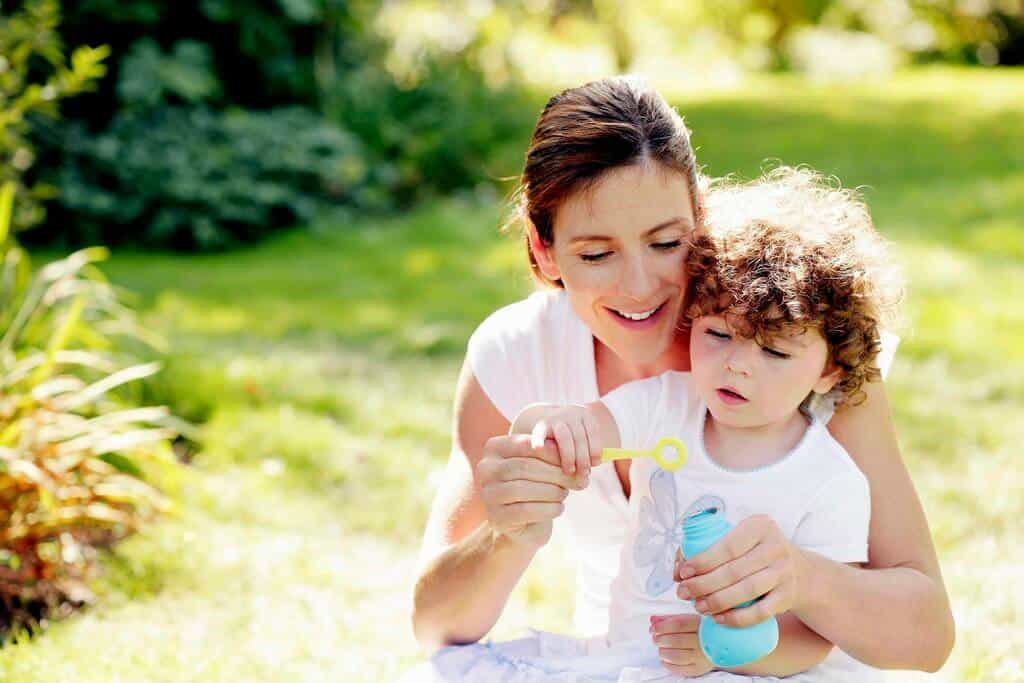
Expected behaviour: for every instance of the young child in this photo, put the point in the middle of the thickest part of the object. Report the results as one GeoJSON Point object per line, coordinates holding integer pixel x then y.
{"type": "Point", "coordinates": [788, 287]}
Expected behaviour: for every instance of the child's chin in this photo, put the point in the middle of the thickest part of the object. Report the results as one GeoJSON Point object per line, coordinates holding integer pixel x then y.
{"type": "Point", "coordinates": [728, 418]}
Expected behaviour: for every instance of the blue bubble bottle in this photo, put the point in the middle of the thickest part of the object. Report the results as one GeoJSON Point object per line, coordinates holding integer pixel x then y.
{"type": "Point", "coordinates": [725, 646]}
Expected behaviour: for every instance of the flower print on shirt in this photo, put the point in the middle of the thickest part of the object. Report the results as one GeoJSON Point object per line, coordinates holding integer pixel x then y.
{"type": "Point", "coordinates": [659, 534]}
{"type": "Point", "coordinates": [661, 530]}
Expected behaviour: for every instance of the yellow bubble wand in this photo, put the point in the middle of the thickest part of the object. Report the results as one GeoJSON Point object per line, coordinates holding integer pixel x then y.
{"type": "Point", "coordinates": [658, 453]}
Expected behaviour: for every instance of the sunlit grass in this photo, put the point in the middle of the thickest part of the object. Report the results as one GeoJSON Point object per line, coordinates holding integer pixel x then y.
{"type": "Point", "coordinates": [321, 366]}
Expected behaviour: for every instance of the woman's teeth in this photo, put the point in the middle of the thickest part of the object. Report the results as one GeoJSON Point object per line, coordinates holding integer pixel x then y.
{"type": "Point", "coordinates": [639, 316]}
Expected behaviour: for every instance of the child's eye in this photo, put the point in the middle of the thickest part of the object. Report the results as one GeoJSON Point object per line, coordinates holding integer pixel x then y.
{"type": "Point", "coordinates": [774, 352]}
{"type": "Point", "coordinates": [592, 258]}
{"type": "Point", "coordinates": [667, 246]}
{"type": "Point", "coordinates": [716, 334]}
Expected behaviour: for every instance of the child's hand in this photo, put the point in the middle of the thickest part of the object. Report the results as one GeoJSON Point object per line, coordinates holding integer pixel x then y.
{"type": "Point", "coordinates": [678, 645]}
{"type": "Point", "coordinates": [576, 433]}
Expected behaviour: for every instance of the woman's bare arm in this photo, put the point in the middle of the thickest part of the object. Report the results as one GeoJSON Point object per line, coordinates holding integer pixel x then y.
{"type": "Point", "coordinates": [895, 613]}
{"type": "Point", "coordinates": [472, 557]}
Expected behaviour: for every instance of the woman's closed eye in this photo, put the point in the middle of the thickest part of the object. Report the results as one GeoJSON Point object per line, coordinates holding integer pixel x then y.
{"type": "Point", "coordinates": [717, 335]}
{"type": "Point", "coordinates": [595, 257]}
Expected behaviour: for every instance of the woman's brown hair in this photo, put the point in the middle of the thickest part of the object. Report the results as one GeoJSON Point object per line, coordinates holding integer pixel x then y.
{"type": "Point", "coordinates": [586, 131]}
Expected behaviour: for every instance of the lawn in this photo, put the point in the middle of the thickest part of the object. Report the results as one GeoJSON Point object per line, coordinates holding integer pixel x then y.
{"type": "Point", "coordinates": [319, 367]}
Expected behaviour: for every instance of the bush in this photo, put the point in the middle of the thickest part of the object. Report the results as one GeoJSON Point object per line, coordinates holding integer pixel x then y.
{"type": "Point", "coordinates": [28, 41]}
{"type": "Point", "coordinates": [446, 131]}
{"type": "Point", "coordinates": [193, 178]}
{"type": "Point", "coordinates": [75, 454]}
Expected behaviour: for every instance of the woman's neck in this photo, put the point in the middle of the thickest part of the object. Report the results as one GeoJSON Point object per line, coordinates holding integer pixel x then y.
{"type": "Point", "coordinates": [613, 371]}
{"type": "Point", "coordinates": [743, 448]}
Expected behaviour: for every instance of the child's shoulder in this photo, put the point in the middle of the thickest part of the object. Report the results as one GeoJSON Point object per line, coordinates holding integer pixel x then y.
{"type": "Point", "coordinates": [668, 381]}
{"type": "Point", "coordinates": [831, 459]}
{"type": "Point", "coordinates": [670, 387]}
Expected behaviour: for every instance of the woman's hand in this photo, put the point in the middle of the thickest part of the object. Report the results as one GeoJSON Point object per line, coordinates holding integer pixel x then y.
{"type": "Point", "coordinates": [523, 487]}
{"type": "Point", "coordinates": [678, 645]}
{"type": "Point", "coordinates": [754, 559]}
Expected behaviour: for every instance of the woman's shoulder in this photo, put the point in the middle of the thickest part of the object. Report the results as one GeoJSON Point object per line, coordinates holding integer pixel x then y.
{"type": "Point", "coordinates": [531, 351]}
{"type": "Point", "coordinates": [539, 316]}
{"type": "Point", "coordinates": [537, 310]}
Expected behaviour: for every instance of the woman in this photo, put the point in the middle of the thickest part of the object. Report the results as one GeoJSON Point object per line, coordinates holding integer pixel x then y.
{"type": "Point", "coordinates": [610, 190]}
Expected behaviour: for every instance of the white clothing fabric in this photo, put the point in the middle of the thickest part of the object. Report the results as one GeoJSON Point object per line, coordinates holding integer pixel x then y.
{"type": "Point", "coordinates": [554, 658]}
{"type": "Point", "coordinates": [815, 493]}
{"type": "Point", "coordinates": [538, 350]}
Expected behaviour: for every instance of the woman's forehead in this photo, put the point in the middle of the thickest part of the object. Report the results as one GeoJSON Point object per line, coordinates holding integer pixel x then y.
{"type": "Point", "coordinates": [627, 202]}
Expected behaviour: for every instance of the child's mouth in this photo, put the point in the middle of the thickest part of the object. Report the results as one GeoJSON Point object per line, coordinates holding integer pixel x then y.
{"type": "Point", "coordinates": [730, 396]}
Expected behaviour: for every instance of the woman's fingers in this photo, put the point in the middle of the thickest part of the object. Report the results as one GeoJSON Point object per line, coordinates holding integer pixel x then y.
{"type": "Point", "coordinates": [530, 513]}
{"type": "Point", "coordinates": [730, 573]}
{"type": "Point", "coordinates": [514, 457]}
{"type": "Point", "coordinates": [523, 488]}
{"type": "Point", "coordinates": [522, 491]}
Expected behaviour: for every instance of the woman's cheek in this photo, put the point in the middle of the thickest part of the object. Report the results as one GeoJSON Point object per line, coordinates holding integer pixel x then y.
{"type": "Point", "coordinates": [593, 277]}
{"type": "Point", "coordinates": [671, 267]}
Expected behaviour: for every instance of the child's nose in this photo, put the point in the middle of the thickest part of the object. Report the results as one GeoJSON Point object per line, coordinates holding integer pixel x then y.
{"type": "Point", "coordinates": [737, 361]}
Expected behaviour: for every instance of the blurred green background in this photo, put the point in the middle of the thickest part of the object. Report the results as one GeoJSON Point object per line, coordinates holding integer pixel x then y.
{"type": "Point", "coordinates": [304, 198]}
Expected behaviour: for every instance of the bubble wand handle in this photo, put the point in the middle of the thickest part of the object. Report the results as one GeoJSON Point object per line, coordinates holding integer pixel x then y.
{"type": "Point", "coordinates": [666, 444]}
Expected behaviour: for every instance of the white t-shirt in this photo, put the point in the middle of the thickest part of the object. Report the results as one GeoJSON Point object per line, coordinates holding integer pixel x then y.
{"type": "Point", "coordinates": [815, 493]}
{"type": "Point", "coordinates": [538, 350]}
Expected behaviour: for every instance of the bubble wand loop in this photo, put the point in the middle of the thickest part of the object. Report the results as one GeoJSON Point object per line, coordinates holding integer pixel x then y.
{"type": "Point", "coordinates": [658, 453]}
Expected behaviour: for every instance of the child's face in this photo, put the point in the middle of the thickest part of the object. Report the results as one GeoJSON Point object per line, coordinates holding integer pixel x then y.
{"type": "Point", "coordinates": [746, 384]}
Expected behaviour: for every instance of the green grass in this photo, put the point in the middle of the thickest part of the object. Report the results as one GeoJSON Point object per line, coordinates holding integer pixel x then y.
{"type": "Point", "coordinates": [321, 366]}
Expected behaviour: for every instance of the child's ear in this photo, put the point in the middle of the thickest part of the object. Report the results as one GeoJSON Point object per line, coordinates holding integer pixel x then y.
{"type": "Point", "coordinates": [542, 254]}
{"type": "Point", "coordinates": [830, 376]}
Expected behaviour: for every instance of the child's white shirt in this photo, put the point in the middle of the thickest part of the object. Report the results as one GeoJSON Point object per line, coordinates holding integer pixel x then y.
{"type": "Point", "coordinates": [816, 494]}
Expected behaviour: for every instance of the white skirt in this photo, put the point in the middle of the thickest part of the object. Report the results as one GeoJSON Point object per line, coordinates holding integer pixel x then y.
{"type": "Point", "coordinates": [553, 658]}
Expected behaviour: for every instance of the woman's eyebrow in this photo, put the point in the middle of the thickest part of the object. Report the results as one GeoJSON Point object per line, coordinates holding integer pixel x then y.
{"type": "Point", "coordinates": [686, 224]}
{"type": "Point", "coordinates": [669, 223]}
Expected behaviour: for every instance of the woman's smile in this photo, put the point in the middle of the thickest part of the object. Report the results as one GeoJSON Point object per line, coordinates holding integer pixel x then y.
{"type": "Point", "coordinates": [634, 319]}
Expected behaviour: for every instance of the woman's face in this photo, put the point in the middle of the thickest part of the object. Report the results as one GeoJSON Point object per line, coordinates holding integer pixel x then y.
{"type": "Point", "coordinates": [620, 250]}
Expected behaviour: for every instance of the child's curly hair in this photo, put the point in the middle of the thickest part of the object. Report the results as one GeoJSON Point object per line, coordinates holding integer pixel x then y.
{"type": "Point", "coordinates": [794, 250]}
